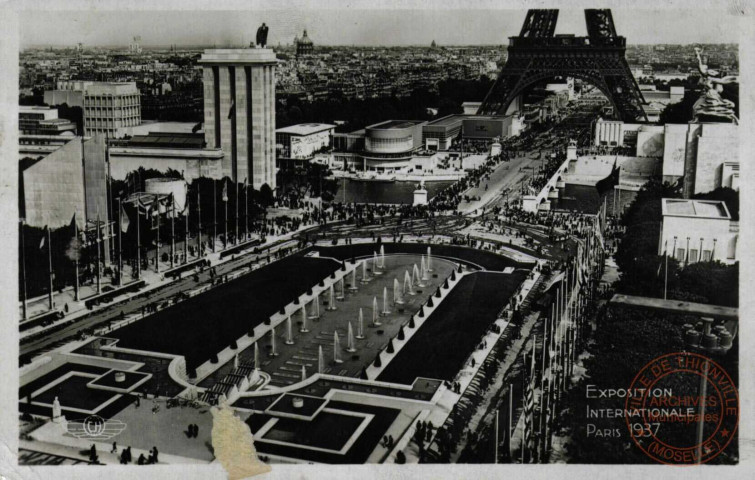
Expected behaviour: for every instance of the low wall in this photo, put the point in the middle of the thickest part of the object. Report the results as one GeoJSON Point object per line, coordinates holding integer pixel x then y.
{"type": "Point", "coordinates": [531, 203]}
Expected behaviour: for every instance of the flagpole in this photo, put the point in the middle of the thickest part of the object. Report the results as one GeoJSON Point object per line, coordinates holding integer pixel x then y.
{"type": "Point", "coordinates": [703, 389]}
{"type": "Point", "coordinates": [246, 209]}
{"type": "Point", "coordinates": [524, 402]}
{"type": "Point", "coordinates": [120, 248]}
{"type": "Point", "coordinates": [511, 414]}
{"type": "Point", "coordinates": [138, 242]}
{"type": "Point", "coordinates": [23, 270]}
{"type": "Point", "coordinates": [172, 230]}
{"type": "Point", "coordinates": [214, 213]}
{"type": "Point", "coordinates": [97, 241]}
{"type": "Point", "coordinates": [665, 274]}
{"type": "Point", "coordinates": [157, 245]}
{"type": "Point", "coordinates": [111, 248]}
{"type": "Point", "coordinates": [76, 261]}
{"type": "Point", "coordinates": [186, 231]}
{"type": "Point", "coordinates": [199, 222]}
{"type": "Point", "coordinates": [49, 260]}
{"type": "Point", "coordinates": [225, 218]}
{"type": "Point", "coordinates": [495, 458]}
{"type": "Point", "coordinates": [236, 223]}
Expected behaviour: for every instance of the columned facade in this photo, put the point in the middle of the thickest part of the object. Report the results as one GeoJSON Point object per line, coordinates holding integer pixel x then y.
{"type": "Point", "coordinates": [239, 112]}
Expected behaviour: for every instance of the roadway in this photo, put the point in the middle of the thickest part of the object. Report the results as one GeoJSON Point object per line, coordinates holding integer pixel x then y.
{"type": "Point", "coordinates": [503, 183]}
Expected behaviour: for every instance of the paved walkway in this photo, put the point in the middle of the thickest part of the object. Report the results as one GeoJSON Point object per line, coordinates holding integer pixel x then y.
{"type": "Point", "coordinates": [144, 430]}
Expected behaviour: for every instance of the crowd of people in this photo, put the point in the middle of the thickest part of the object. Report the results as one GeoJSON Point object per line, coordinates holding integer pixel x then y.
{"type": "Point", "coordinates": [125, 456]}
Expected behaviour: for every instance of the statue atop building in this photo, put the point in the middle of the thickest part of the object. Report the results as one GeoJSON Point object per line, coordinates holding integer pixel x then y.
{"type": "Point", "coordinates": [262, 35]}
{"type": "Point", "coordinates": [710, 103]}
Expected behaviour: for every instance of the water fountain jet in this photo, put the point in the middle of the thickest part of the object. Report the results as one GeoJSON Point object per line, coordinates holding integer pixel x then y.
{"type": "Point", "coordinates": [289, 333]}
{"type": "Point", "coordinates": [332, 299]}
{"type": "Point", "coordinates": [375, 314]}
{"type": "Point", "coordinates": [336, 349]}
{"type": "Point", "coordinates": [304, 328]}
{"type": "Point", "coordinates": [350, 339]}
{"type": "Point", "coordinates": [360, 327]}
{"type": "Point", "coordinates": [397, 300]}
{"type": "Point", "coordinates": [385, 311]}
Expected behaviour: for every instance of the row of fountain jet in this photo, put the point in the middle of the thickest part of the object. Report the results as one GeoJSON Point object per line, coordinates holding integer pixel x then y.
{"type": "Point", "coordinates": [418, 277]}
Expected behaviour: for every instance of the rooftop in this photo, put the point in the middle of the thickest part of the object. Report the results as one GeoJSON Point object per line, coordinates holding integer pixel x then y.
{"type": "Point", "coordinates": [695, 208]}
{"type": "Point", "coordinates": [677, 306]}
{"type": "Point", "coordinates": [395, 124]}
{"type": "Point", "coordinates": [34, 108]}
{"type": "Point", "coordinates": [111, 88]}
{"type": "Point", "coordinates": [459, 117]}
{"type": "Point", "coordinates": [447, 120]}
{"type": "Point", "coordinates": [167, 140]}
{"type": "Point", "coordinates": [238, 56]}
{"type": "Point", "coordinates": [305, 128]}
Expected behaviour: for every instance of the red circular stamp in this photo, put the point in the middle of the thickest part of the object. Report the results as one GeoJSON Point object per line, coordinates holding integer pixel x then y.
{"type": "Point", "coordinates": [682, 409]}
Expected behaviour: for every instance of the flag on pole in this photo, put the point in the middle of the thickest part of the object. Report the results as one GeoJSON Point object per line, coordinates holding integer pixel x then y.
{"type": "Point", "coordinates": [73, 252]}
{"type": "Point", "coordinates": [125, 222]}
{"type": "Point", "coordinates": [606, 184]}
{"type": "Point", "coordinates": [529, 408]}
{"type": "Point", "coordinates": [42, 243]}
{"type": "Point", "coordinates": [232, 111]}
{"type": "Point", "coordinates": [545, 428]}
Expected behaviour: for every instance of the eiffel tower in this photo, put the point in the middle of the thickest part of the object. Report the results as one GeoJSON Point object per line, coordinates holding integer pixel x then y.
{"type": "Point", "coordinates": [598, 59]}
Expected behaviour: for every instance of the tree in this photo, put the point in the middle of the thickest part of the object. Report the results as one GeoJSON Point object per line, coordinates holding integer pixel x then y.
{"type": "Point", "coordinates": [726, 195]}
{"type": "Point", "coordinates": [266, 195]}
{"type": "Point", "coordinates": [643, 270]}
{"type": "Point", "coordinates": [680, 112]}
{"type": "Point", "coordinates": [626, 339]}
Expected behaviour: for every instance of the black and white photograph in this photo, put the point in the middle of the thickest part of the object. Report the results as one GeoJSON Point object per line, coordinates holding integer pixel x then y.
{"type": "Point", "coordinates": [280, 238]}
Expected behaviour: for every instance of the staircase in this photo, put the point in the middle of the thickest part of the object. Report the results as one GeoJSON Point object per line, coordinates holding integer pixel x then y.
{"type": "Point", "coordinates": [534, 293]}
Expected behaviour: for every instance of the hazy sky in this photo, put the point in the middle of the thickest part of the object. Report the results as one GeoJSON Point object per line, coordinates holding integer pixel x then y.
{"type": "Point", "coordinates": [349, 26]}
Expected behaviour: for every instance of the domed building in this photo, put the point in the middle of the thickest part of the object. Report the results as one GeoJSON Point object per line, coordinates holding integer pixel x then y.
{"type": "Point", "coordinates": [304, 45]}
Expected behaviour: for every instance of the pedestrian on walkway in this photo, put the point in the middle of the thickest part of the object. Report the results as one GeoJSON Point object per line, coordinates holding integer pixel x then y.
{"type": "Point", "coordinates": [155, 453]}
{"type": "Point", "coordinates": [115, 448]}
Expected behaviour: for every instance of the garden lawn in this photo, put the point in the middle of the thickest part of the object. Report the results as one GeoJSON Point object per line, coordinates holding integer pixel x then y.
{"type": "Point", "coordinates": [454, 329]}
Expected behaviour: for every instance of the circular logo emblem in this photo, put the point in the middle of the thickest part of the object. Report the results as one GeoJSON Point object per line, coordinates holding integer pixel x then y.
{"type": "Point", "coordinates": [682, 409]}
{"type": "Point", "coordinates": [94, 425]}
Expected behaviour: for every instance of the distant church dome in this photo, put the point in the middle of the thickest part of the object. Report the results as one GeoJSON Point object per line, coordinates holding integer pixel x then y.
{"type": "Point", "coordinates": [304, 45]}
{"type": "Point", "coordinates": [305, 39]}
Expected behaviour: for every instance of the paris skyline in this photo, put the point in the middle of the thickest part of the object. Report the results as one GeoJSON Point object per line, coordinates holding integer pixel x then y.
{"type": "Point", "coordinates": [351, 27]}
